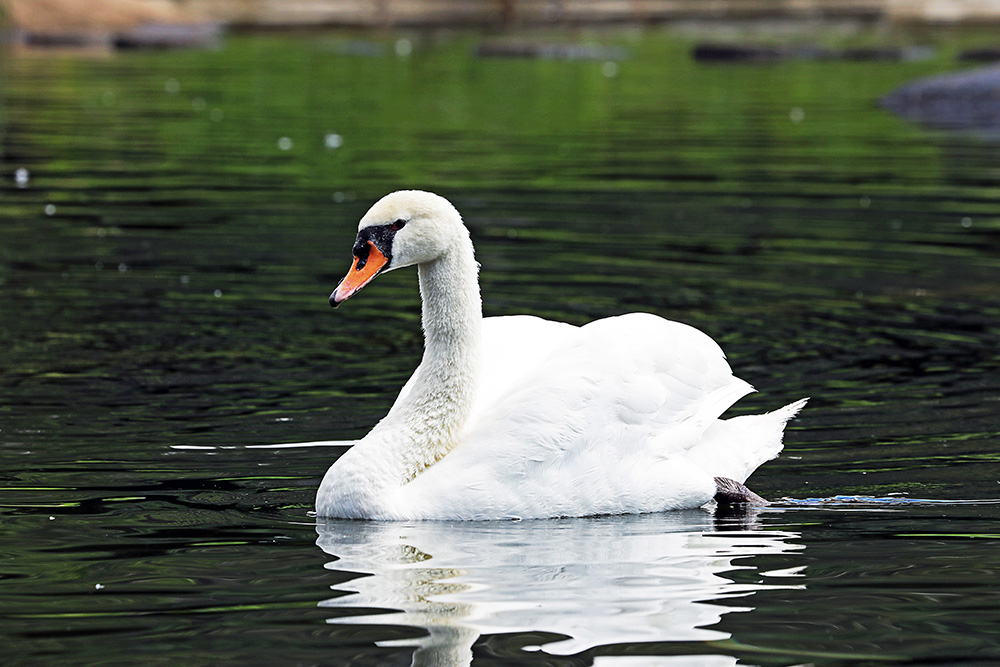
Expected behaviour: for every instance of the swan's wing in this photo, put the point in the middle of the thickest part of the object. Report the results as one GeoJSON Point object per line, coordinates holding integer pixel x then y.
{"type": "Point", "coordinates": [633, 375]}
{"type": "Point", "coordinates": [601, 424]}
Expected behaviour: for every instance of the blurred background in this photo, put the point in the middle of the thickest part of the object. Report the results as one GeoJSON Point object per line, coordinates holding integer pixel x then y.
{"type": "Point", "coordinates": [91, 21]}
{"type": "Point", "coordinates": [813, 183]}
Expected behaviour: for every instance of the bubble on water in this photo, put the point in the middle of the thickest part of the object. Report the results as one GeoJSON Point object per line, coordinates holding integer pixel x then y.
{"type": "Point", "coordinates": [334, 140]}
{"type": "Point", "coordinates": [101, 232]}
{"type": "Point", "coordinates": [185, 280]}
{"type": "Point", "coordinates": [404, 47]}
{"type": "Point", "coordinates": [217, 293]}
{"type": "Point", "coordinates": [797, 114]}
{"type": "Point", "coordinates": [865, 202]}
{"type": "Point", "coordinates": [123, 267]}
{"type": "Point", "coordinates": [966, 222]}
{"type": "Point", "coordinates": [216, 115]}
{"type": "Point", "coordinates": [21, 177]}
{"type": "Point", "coordinates": [98, 587]}
{"type": "Point", "coordinates": [285, 143]}
{"type": "Point", "coordinates": [610, 69]}
{"type": "Point", "coordinates": [173, 86]}
{"type": "Point", "coordinates": [199, 104]}
{"type": "Point", "coordinates": [50, 209]}
{"type": "Point", "coordinates": [339, 197]}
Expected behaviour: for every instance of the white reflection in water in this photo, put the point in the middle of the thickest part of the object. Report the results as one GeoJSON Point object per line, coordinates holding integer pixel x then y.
{"type": "Point", "coordinates": [597, 581]}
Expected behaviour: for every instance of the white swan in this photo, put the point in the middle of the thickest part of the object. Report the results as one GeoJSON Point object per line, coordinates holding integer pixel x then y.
{"type": "Point", "coordinates": [520, 417]}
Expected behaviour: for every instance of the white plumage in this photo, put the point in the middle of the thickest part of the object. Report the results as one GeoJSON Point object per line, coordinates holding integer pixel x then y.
{"type": "Point", "coordinates": [523, 417]}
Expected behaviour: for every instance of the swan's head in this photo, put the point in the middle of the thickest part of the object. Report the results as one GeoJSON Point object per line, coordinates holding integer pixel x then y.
{"type": "Point", "coordinates": [403, 228]}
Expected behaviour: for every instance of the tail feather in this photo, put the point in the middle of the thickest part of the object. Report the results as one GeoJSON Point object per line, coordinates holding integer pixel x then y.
{"type": "Point", "coordinates": [735, 447]}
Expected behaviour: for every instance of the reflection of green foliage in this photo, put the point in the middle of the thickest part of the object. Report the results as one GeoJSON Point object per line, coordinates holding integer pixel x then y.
{"type": "Point", "coordinates": [740, 194]}
{"type": "Point", "coordinates": [663, 121]}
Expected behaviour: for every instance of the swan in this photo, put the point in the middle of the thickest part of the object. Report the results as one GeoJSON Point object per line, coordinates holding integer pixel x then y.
{"type": "Point", "coordinates": [524, 418]}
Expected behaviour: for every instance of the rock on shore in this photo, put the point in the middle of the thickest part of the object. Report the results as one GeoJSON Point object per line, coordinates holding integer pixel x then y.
{"type": "Point", "coordinates": [967, 100]}
{"type": "Point", "coordinates": [108, 24]}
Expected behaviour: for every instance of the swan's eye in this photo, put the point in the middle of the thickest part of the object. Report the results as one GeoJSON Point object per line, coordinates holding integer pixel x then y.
{"type": "Point", "coordinates": [399, 224]}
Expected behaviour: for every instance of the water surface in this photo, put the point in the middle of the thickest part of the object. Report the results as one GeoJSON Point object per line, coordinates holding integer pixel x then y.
{"type": "Point", "coordinates": [165, 260]}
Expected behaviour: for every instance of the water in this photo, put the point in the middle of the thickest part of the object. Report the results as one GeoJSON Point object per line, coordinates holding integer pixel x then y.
{"type": "Point", "coordinates": [165, 259]}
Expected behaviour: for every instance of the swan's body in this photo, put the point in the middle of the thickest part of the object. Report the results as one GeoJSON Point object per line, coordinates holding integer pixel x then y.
{"type": "Point", "coordinates": [523, 417]}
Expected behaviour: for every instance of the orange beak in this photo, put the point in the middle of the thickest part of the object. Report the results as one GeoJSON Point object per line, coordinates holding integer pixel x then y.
{"type": "Point", "coordinates": [361, 273]}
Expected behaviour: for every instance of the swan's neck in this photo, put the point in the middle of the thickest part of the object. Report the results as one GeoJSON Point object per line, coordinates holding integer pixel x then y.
{"type": "Point", "coordinates": [424, 425]}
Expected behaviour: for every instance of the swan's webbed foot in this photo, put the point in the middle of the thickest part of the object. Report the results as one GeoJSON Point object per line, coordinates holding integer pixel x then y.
{"type": "Point", "coordinates": [729, 492]}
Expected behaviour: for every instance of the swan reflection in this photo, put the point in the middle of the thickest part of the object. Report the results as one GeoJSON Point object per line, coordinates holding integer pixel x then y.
{"type": "Point", "coordinates": [595, 581]}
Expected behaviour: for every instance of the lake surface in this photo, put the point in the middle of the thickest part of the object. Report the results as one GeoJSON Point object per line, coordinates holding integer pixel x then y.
{"type": "Point", "coordinates": [171, 225]}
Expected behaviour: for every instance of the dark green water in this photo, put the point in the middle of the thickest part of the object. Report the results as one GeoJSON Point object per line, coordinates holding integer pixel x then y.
{"type": "Point", "coordinates": [165, 263]}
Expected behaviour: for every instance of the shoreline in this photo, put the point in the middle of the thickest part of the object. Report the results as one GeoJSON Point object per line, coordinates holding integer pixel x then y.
{"type": "Point", "coordinates": [108, 25]}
